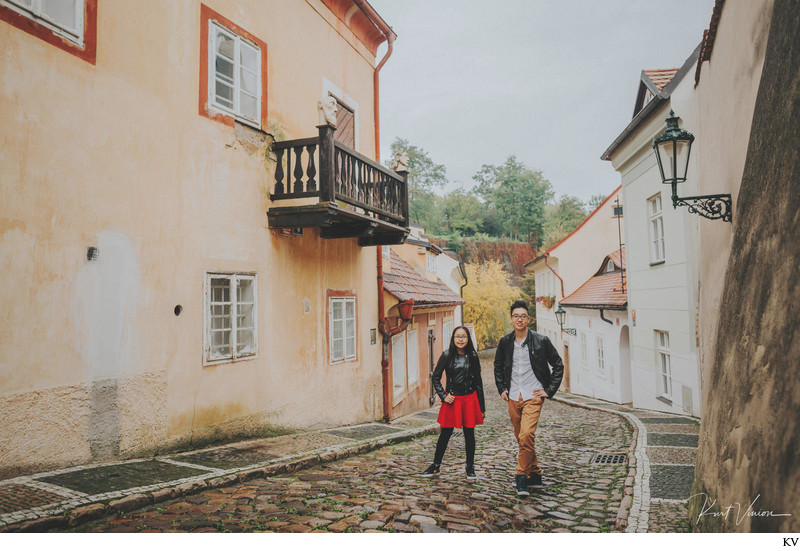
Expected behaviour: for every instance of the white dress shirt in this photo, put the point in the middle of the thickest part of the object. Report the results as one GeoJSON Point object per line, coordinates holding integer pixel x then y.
{"type": "Point", "coordinates": [523, 381]}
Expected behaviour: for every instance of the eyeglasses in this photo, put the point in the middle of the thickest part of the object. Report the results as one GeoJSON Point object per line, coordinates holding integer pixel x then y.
{"type": "Point", "coordinates": [520, 317]}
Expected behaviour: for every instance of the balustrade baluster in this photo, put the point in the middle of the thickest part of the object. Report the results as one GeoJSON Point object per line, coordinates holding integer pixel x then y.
{"type": "Point", "coordinates": [279, 173]}
{"type": "Point", "coordinates": [312, 170]}
{"type": "Point", "coordinates": [298, 169]}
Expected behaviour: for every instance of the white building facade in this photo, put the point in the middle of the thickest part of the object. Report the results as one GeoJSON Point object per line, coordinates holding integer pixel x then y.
{"type": "Point", "coordinates": [662, 255]}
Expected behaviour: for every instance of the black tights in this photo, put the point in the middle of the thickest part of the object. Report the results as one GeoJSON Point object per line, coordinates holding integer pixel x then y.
{"type": "Point", "coordinates": [444, 438]}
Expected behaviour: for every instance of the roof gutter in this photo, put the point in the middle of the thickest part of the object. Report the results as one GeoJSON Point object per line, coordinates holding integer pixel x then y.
{"type": "Point", "coordinates": [545, 255]}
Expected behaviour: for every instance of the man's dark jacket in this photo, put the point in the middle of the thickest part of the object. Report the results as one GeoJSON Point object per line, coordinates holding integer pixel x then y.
{"type": "Point", "coordinates": [541, 352]}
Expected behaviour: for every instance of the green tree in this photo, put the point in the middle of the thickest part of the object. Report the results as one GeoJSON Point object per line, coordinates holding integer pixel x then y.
{"type": "Point", "coordinates": [594, 202]}
{"type": "Point", "coordinates": [424, 176]}
{"type": "Point", "coordinates": [462, 212]}
{"type": "Point", "coordinates": [519, 194]}
{"type": "Point", "coordinates": [561, 218]}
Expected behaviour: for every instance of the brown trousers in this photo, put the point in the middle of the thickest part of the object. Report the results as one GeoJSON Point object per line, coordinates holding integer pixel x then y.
{"type": "Point", "coordinates": [525, 417]}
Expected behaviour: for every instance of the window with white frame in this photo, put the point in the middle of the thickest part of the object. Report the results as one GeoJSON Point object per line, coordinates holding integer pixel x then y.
{"type": "Point", "coordinates": [234, 74]}
{"type": "Point", "coordinates": [584, 350]}
{"type": "Point", "coordinates": [399, 363]}
{"type": "Point", "coordinates": [431, 262]}
{"type": "Point", "coordinates": [231, 317]}
{"type": "Point", "coordinates": [447, 333]}
{"type": "Point", "coordinates": [342, 329]}
{"type": "Point", "coordinates": [413, 359]}
{"type": "Point", "coordinates": [655, 213]}
{"type": "Point", "coordinates": [64, 17]}
{"type": "Point", "coordinates": [664, 364]}
{"type": "Point", "coordinates": [601, 359]}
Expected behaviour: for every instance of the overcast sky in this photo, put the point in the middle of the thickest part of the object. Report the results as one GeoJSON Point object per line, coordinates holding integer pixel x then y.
{"type": "Point", "coordinates": [550, 81]}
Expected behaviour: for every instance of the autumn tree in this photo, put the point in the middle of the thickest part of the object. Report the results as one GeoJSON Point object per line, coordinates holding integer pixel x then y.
{"type": "Point", "coordinates": [489, 296]}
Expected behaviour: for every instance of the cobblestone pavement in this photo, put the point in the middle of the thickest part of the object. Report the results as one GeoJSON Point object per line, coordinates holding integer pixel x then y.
{"type": "Point", "coordinates": [665, 464]}
{"type": "Point", "coordinates": [382, 490]}
{"type": "Point", "coordinates": [366, 478]}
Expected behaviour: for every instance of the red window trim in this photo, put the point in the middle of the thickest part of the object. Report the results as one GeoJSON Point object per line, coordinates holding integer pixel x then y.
{"type": "Point", "coordinates": [337, 293]}
{"type": "Point", "coordinates": [206, 16]}
{"type": "Point", "coordinates": [87, 52]}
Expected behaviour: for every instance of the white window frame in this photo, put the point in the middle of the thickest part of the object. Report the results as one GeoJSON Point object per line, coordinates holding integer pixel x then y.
{"type": "Point", "coordinates": [601, 355]}
{"type": "Point", "coordinates": [233, 279]}
{"type": "Point", "coordinates": [215, 28]}
{"type": "Point", "coordinates": [399, 367]}
{"type": "Point", "coordinates": [353, 322]}
{"type": "Point", "coordinates": [431, 262]}
{"type": "Point", "coordinates": [447, 332]}
{"type": "Point", "coordinates": [34, 9]}
{"type": "Point", "coordinates": [655, 211]}
{"type": "Point", "coordinates": [412, 360]}
{"type": "Point", "coordinates": [664, 362]}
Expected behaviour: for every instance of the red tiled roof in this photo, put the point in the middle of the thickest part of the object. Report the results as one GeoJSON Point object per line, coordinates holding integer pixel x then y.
{"type": "Point", "coordinates": [604, 290]}
{"type": "Point", "coordinates": [661, 77]}
{"type": "Point", "coordinates": [404, 282]}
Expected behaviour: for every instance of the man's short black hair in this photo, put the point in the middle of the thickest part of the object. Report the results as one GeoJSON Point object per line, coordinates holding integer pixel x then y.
{"type": "Point", "coordinates": [519, 304]}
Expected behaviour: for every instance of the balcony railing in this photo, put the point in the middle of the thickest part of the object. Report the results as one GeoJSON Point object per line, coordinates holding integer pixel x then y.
{"type": "Point", "coordinates": [340, 178]}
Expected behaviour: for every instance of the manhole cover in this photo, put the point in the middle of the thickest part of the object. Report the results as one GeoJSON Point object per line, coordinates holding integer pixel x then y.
{"type": "Point", "coordinates": [610, 459]}
{"type": "Point", "coordinates": [363, 432]}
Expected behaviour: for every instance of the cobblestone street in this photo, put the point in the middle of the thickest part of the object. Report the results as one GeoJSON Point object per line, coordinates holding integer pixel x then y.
{"type": "Point", "coordinates": [382, 490]}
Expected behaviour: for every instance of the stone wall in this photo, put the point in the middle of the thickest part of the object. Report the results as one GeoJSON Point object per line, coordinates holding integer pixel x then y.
{"type": "Point", "coordinates": [751, 432]}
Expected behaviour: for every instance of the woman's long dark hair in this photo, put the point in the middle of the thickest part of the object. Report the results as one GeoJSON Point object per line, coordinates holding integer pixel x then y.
{"type": "Point", "coordinates": [468, 350]}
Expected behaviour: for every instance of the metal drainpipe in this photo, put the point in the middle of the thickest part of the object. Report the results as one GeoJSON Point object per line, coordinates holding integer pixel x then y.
{"type": "Point", "coordinates": [372, 15]}
{"type": "Point", "coordinates": [604, 319]}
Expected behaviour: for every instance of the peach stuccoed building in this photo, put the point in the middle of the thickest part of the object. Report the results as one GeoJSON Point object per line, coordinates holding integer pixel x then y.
{"type": "Point", "coordinates": [171, 274]}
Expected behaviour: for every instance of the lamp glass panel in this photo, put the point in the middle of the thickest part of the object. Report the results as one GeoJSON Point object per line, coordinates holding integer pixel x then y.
{"type": "Point", "coordinates": [666, 152]}
{"type": "Point", "coordinates": [682, 158]}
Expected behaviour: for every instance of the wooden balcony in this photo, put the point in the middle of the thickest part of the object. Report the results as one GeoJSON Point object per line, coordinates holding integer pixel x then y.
{"type": "Point", "coordinates": [355, 196]}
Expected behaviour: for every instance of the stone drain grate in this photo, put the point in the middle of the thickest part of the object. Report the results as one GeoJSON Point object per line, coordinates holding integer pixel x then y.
{"type": "Point", "coordinates": [609, 459]}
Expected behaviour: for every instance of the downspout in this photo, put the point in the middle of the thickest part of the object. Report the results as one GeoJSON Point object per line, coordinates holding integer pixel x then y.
{"type": "Point", "coordinates": [552, 270]}
{"type": "Point", "coordinates": [386, 334]}
{"type": "Point", "coordinates": [604, 319]}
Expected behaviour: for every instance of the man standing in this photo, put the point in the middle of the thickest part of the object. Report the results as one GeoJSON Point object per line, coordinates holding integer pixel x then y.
{"type": "Point", "coordinates": [524, 381]}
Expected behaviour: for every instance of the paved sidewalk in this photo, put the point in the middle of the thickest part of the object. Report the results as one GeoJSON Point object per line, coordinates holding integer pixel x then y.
{"type": "Point", "coordinates": [663, 464]}
{"type": "Point", "coordinates": [356, 469]}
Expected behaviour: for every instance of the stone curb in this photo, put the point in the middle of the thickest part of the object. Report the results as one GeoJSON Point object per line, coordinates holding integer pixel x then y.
{"type": "Point", "coordinates": [133, 501]}
{"type": "Point", "coordinates": [623, 512]}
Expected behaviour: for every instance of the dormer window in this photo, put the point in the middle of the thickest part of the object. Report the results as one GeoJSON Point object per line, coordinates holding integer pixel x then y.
{"type": "Point", "coordinates": [610, 267]}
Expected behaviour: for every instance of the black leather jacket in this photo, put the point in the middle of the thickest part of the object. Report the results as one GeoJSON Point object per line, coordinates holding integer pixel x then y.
{"type": "Point", "coordinates": [541, 351]}
{"type": "Point", "coordinates": [459, 381]}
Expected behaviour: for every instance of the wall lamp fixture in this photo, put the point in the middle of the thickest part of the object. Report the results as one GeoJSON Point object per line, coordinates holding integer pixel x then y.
{"type": "Point", "coordinates": [672, 153]}
{"type": "Point", "coordinates": [560, 315]}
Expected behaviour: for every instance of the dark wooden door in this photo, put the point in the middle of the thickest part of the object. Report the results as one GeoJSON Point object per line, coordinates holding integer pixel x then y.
{"type": "Point", "coordinates": [345, 124]}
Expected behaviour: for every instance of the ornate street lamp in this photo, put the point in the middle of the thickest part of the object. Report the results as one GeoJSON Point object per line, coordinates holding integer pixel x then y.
{"type": "Point", "coordinates": [560, 314]}
{"type": "Point", "coordinates": [672, 150]}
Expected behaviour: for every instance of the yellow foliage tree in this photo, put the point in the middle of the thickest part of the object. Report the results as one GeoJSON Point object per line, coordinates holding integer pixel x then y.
{"type": "Point", "coordinates": [489, 295]}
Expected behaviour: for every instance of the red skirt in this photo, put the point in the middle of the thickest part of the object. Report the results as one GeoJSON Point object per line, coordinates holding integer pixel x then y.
{"type": "Point", "coordinates": [464, 412]}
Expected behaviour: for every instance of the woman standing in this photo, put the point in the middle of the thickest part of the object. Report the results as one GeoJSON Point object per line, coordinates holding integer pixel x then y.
{"type": "Point", "coordinates": [463, 405]}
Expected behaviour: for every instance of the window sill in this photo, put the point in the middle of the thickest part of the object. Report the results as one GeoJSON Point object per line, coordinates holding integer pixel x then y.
{"type": "Point", "coordinates": [211, 363]}
{"type": "Point", "coordinates": [342, 362]}
{"type": "Point", "coordinates": [664, 399]}
{"type": "Point", "coordinates": [657, 263]}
